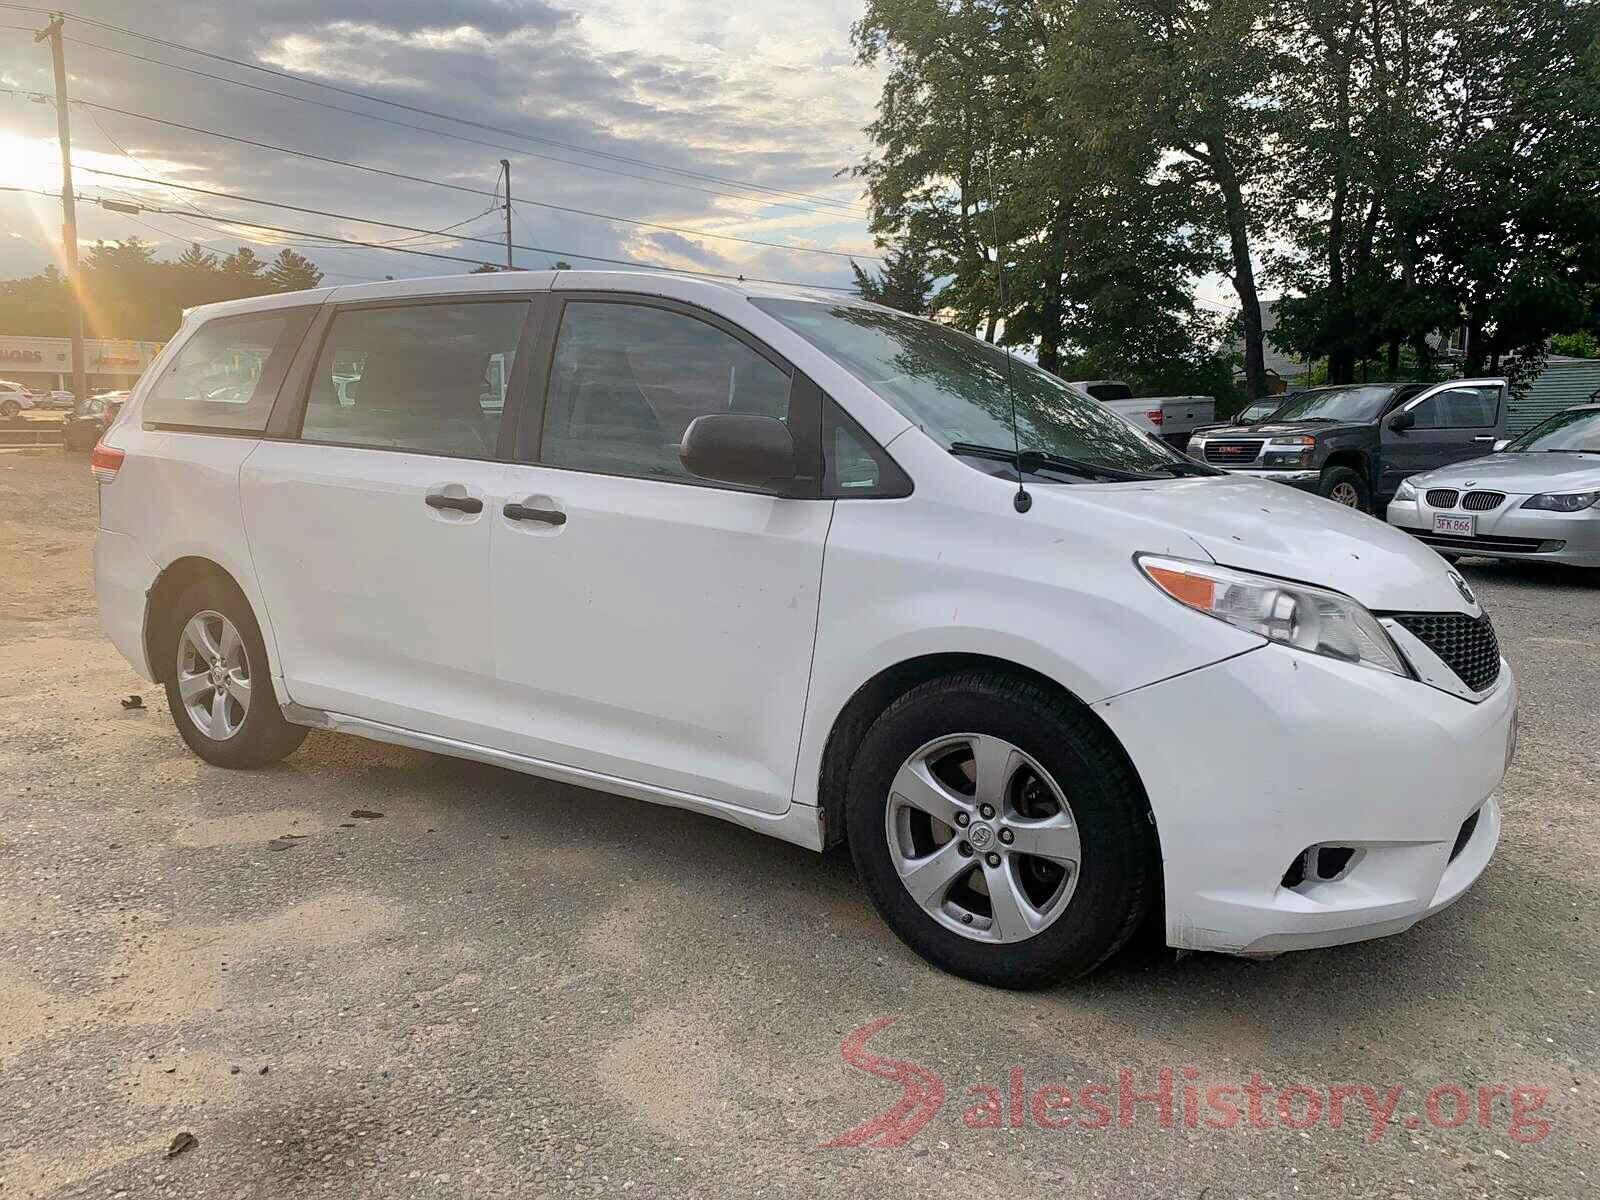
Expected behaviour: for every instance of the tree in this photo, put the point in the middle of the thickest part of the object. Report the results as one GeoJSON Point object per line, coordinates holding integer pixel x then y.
{"type": "Point", "coordinates": [905, 280]}
{"type": "Point", "coordinates": [291, 272]}
{"type": "Point", "coordinates": [243, 262]}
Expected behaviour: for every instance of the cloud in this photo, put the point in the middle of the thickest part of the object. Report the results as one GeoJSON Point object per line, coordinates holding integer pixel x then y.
{"type": "Point", "coordinates": [755, 94]}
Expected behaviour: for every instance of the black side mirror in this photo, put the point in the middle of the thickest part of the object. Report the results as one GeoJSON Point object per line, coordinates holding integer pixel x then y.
{"type": "Point", "coordinates": [1402, 420]}
{"type": "Point", "coordinates": [741, 448]}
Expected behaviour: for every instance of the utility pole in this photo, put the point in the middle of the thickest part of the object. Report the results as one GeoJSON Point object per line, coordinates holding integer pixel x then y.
{"type": "Point", "coordinates": [505, 166]}
{"type": "Point", "coordinates": [69, 212]}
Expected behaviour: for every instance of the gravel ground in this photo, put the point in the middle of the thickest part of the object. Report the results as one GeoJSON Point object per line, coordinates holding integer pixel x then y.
{"type": "Point", "coordinates": [508, 987]}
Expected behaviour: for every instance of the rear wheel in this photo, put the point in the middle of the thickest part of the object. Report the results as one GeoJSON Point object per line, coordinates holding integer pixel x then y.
{"type": "Point", "coordinates": [1345, 486]}
{"type": "Point", "coordinates": [217, 681]}
{"type": "Point", "coordinates": [9, 409]}
{"type": "Point", "coordinates": [999, 831]}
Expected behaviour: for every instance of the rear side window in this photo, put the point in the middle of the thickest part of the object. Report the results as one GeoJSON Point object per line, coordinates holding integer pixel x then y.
{"type": "Point", "coordinates": [628, 379]}
{"type": "Point", "coordinates": [431, 378]}
{"type": "Point", "coordinates": [226, 376]}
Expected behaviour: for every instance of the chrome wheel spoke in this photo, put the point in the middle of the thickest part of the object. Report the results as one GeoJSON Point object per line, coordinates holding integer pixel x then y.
{"type": "Point", "coordinates": [928, 879]}
{"type": "Point", "coordinates": [1015, 917]}
{"type": "Point", "coordinates": [993, 762]}
{"type": "Point", "coordinates": [198, 634]}
{"type": "Point", "coordinates": [219, 713]}
{"type": "Point", "coordinates": [230, 645]}
{"type": "Point", "coordinates": [193, 687]}
{"type": "Point", "coordinates": [1054, 838]}
{"type": "Point", "coordinates": [239, 688]}
{"type": "Point", "coordinates": [915, 785]}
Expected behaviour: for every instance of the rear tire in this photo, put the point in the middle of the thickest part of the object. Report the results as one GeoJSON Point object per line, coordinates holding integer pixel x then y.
{"type": "Point", "coordinates": [211, 644]}
{"type": "Point", "coordinates": [9, 409]}
{"type": "Point", "coordinates": [1052, 747]}
{"type": "Point", "coordinates": [1345, 486]}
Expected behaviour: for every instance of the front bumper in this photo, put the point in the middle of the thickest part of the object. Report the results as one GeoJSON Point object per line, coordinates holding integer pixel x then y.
{"type": "Point", "coordinates": [1298, 478]}
{"type": "Point", "coordinates": [1509, 532]}
{"type": "Point", "coordinates": [1335, 755]}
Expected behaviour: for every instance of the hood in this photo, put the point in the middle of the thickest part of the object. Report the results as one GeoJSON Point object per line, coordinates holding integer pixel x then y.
{"type": "Point", "coordinates": [1281, 428]}
{"type": "Point", "coordinates": [1519, 474]}
{"type": "Point", "coordinates": [1274, 529]}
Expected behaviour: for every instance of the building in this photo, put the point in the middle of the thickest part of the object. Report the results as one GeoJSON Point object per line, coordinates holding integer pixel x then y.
{"type": "Point", "coordinates": [44, 364]}
{"type": "Point", "coordinates": [1563, 383]}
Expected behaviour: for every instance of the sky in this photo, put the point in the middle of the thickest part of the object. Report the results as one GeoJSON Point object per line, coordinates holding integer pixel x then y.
{"type": "Point", "coordinates": [762, 94]}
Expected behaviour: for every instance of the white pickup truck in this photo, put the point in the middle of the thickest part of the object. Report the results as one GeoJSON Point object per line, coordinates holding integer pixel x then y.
{"type": "Point", "coordinates": [1170, 418]}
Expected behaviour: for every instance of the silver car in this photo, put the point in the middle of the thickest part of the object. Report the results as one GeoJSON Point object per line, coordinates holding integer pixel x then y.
{"type": "Point", "coordinates": [1537, 497]}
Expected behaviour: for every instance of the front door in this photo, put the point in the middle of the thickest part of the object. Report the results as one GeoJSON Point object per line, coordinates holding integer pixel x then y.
{"type": "Point", "coordinates": [371, 530]}
{"type": "Point", "coordinates": [649, 625]}
{"type": "Point", "coordinates": [1454, 422]}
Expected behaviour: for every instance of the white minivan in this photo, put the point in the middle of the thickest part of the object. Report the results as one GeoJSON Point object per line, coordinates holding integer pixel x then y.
{"type": "Point", "coordinates": [774, 556]}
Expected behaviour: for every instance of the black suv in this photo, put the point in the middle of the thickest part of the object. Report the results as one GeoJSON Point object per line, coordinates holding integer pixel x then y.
{"type": "Point", "coordinates": [1354, 443]}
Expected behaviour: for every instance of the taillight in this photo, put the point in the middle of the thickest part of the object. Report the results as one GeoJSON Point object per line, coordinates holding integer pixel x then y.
{"type": "Point", "coordinates": [1154, 416]}
{"type": "Point", "coordinates": [104, 461]}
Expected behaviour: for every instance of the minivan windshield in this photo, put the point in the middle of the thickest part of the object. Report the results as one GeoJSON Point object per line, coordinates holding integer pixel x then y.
{"type": "Point", "coordinates": [954, 387]}
{"type": "Point", "coordinates": [1575, 431]}
{"type": "Point", "coordinates": [1336, 404]}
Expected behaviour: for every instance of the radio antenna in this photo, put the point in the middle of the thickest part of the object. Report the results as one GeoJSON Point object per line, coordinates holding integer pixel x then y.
{"type": "Point", "coordinates": [1022, 502]}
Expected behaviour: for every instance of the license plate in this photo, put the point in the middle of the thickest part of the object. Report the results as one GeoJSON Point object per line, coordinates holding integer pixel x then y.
{"type": "Point", "coordinates": [1455, 526]}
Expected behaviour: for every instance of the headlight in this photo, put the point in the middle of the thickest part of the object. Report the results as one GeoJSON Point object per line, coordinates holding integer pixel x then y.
{"type": "Point", "coordinates": [1406, 491]}
{"type": "Point", "coordinates": [1292, 441]}
{"type": "Point", "coordinates": [1308, 618]}
{"type": "Point", "coordinates": [1570, 502]}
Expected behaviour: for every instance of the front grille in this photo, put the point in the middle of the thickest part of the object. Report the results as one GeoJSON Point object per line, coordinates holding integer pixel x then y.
{"type": "Point", "coordinates": [1483, 501]}
{"type": "Point", "coordinates": [1443, 498]}
{"type": "Point", "coordinates": [1466, 644]}
{"type": "Point", "coordinates": [1232, 451]}
{"type": "Point", "coordinates": [1485, 544]}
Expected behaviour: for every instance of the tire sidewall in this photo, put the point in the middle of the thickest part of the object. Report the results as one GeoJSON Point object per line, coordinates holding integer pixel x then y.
{"type": "Point", "coordinates": [262, 736]}
{"type": "Point", "coordinates": [1334, 476]}
{"type": "Point", "coordinates": [1108, 899]}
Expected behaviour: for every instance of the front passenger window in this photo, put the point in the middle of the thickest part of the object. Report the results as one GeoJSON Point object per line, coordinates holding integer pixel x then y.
{"type": "Point", "coordinates": [1459, 408]}
{"type": "Point", "coordinates": [429, 378]}
{"type": "Point", "coordinates": [628, 378]}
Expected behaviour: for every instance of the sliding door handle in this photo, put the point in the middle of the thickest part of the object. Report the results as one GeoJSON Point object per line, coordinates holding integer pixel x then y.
{"type": "Point", "coordinates": [466, 504]}
{"type": "Point", "coordinates": [549, 516]}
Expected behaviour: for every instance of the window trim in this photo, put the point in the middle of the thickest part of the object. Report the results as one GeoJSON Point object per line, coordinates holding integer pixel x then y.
{"type": "Point", "coordinates": [292, 426]}
{"type": "Point", "coordinates": [893, 482]}
{"type": "Point", "coordinates": [274, 373]}
{"type": "Point", "coordinates": [805, 398]}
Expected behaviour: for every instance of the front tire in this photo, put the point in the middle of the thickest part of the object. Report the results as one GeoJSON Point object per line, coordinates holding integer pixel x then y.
{"type": "Point", "coordinates": [1345, 486]}
{"type": "Point", "coordinates": [218, 686]}
{"type": "Point", "coordinates": [9, 409]}
{"type": "Point", "coordinates": [1000, 832]}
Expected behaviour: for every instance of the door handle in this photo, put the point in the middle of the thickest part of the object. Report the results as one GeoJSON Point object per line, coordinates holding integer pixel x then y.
{"type": "Point", "coordinates": [466, 504]}
{"type": "Point", "coordinates": [1489, 437]}
{"type": "Point", "coordinates": [520, 512]}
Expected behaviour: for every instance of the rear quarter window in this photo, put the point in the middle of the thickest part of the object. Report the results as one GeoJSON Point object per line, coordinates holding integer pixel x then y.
{"type": "Point", "coordinates": [226, 376]}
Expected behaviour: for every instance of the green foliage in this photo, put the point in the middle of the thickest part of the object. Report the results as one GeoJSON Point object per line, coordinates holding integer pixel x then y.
{"type": "Point", "coordinates": [129, 293]}
{"type": "Point", "coordinates": [905, 281]}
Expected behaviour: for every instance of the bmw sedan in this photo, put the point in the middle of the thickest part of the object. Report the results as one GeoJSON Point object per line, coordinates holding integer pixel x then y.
{"type": "Point", "coordinates": [1537, 497]}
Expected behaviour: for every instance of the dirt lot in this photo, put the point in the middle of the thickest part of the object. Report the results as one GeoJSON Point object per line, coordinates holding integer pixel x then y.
{"type": "Point", "coordinates": [507, 987]}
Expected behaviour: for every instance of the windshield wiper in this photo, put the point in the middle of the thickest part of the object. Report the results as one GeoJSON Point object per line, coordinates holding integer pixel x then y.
{"type": "Point", "coordinates": [1187, 468]}
{"type": "Point", "coordinates": [1029, 461]}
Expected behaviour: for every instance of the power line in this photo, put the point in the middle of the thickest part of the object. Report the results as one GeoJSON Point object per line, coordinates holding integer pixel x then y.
{"type": "Point", "coordinates": [303, 80]}
{"type": "Point", "coordinates": [442, 133]}
{"type": "Point", "coordinates": [401, 175]}
{"type": "Point", "coordinates": [371, 245]}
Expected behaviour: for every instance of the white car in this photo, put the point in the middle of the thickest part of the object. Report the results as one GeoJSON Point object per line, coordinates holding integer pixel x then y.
{"type": "Point", "coordinates": [770, 555]}
{"type": "Point", "coordinates": [14, 398]}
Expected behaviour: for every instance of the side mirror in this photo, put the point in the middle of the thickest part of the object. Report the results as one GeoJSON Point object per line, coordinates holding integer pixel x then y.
{"type": "Point", "coordinates": [1402, 420]}
{"type": "Point", "coordinates": [741, 448]}
{"type": "Point", "coordinates": [1500, 444]}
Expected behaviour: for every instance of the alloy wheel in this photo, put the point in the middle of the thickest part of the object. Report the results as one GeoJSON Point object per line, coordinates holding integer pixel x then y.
{"type": "Point", "coordinates": [214, 675]}
{"type": "Point", "coordinates": [1346, 494]}
{"type": "Point", "coordinates": [983, 838]}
